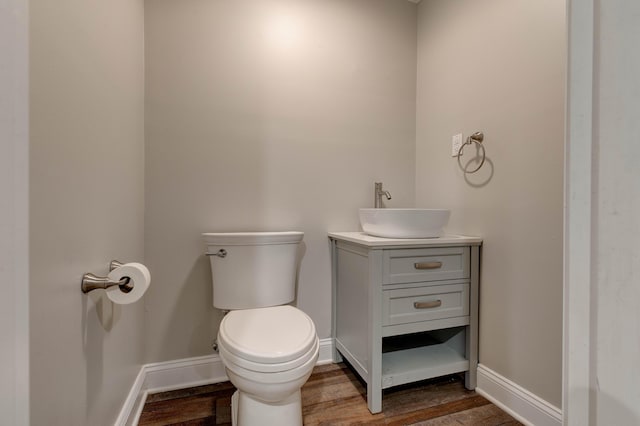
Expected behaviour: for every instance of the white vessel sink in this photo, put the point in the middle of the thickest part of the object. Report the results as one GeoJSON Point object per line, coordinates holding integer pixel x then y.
{"type": "Point", "coordinates": [404, 223]}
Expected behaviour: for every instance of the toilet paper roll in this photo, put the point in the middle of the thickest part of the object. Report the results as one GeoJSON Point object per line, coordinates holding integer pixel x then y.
{"type": "Point", "coordinates": [139, 278]}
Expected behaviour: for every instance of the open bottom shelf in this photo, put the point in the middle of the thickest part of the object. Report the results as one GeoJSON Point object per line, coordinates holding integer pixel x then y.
{"type": "Point", "coordinates": [420, 363]}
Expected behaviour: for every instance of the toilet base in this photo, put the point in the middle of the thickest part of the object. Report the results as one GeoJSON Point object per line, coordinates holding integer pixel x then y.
{"type": "Point", "coordinates": [249, 411]}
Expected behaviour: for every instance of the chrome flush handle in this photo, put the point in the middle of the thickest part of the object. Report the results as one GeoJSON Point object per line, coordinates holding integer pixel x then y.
{"type": "Point", "coordinates": [221, 253]}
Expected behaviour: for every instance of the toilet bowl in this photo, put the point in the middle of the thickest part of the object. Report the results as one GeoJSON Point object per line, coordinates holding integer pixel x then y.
{"type": "Point", "coordinates": [268, 354]}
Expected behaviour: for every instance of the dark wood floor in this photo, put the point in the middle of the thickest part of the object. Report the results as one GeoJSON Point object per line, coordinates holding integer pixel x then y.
{"type": "Point", "coordinates": [334, 395]}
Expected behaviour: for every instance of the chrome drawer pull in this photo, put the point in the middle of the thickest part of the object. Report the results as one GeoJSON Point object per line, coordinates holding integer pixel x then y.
{"type": "Point", "coordinates": [427, 265]}
{"type": "Point", "coordinates": [427, 305]}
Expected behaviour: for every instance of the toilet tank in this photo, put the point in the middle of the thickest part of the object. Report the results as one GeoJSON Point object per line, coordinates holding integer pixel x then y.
{"type": "Point", "coordinates": [253, 269]}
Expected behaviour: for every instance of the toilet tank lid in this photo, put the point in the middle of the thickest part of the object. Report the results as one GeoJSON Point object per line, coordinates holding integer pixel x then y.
{"type": "Point", "coordinates": [252, 238]}
{"type": "Point", "coordinates": [268, 335]}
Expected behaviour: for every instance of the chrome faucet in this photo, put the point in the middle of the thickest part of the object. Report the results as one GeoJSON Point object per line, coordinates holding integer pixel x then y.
{"type": "Point", "coordinates": [377, 198]}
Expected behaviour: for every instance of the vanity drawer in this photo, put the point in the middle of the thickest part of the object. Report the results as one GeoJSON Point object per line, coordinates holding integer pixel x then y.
{"type": "Point", "coordinates": [431, 264]}
{"type": "Point", "coordinates": [407, 305]}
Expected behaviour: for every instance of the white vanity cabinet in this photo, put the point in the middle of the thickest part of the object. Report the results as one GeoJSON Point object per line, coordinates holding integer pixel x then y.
{"type": "Point", "coordinates": [405, 310]}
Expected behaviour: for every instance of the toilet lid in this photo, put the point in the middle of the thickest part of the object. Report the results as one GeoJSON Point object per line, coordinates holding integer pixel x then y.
{"type": "Point", "coordinates": [268, 335]}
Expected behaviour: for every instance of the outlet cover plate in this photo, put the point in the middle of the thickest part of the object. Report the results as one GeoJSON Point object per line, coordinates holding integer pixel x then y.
{"type": "Point", "coordinates": [456, 143]}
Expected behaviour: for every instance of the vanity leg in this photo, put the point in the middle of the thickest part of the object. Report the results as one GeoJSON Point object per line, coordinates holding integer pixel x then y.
{"type": "Point", "coordinates": [471, 376]}
{"type": "Point", "coordinates": [337, 356]}
{"type": "Point", "coordinates": [374, 399]}
{"type": "Point", "coordinates": [374, 384]}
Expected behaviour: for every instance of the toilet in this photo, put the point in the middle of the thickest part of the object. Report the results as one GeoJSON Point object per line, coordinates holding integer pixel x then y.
{"type": "Point", "coordinates": [268, 347]}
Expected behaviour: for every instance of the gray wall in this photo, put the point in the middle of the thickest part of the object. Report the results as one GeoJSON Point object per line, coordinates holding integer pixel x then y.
{"type": "Point", "coordinates": [267, 115]}
{"type": "Point", "coordinates": [86, 195]}
{"type": "Point", "coordinates": [499, 66]}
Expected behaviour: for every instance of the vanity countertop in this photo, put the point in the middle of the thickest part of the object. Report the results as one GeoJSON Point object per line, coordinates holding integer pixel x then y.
{"type": "Point", "coordinates": [378, 242]}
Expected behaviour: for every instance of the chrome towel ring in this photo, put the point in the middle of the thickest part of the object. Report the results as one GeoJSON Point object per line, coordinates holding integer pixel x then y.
{"type": "Point", "coordinates": [477, 138]}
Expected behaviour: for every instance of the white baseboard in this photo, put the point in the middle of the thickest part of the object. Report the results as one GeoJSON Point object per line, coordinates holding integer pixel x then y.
{"type": "Point", "coordinates": [134, 402]}
{"type": "Point", "coordinates": [185, 373]}
{"type": "Point", "coordinates": [523, 405]}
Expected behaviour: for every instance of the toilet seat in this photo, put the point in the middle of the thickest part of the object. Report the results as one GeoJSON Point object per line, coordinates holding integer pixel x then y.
{"type": "Point", "coordinates": [269, 340]}
{"type": "Point", "coordinates": [234, 361]}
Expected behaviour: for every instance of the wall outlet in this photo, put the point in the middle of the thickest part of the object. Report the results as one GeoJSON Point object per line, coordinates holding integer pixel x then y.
{"type": "Point", "coordinates": [456, 143]}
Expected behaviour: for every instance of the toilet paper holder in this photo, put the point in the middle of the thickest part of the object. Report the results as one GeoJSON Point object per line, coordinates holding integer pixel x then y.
{"type": "Point", "coordinates": [92, 282]}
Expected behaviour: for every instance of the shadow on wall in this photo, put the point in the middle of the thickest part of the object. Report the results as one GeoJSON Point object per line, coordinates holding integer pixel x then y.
{"type": "Point", "coordinates": [482, 177]}
{"type": "Point", "coordinates": [478, 171]}
{"type": "Point", "coordinates": [98, 317]}
{"type": "Point", "coordinates": [192, 294]}
{"type": "Point", "coordinates": [302, 249]}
